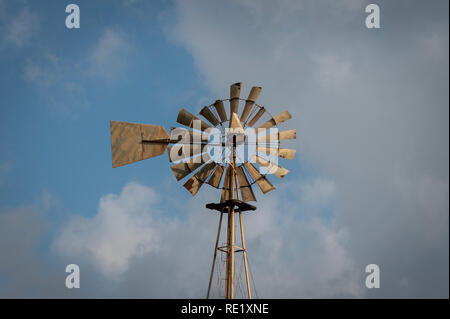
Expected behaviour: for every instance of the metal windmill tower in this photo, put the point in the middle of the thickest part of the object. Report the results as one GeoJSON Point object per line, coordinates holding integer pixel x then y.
{"type": "Point", "coordinates": [220, 154]}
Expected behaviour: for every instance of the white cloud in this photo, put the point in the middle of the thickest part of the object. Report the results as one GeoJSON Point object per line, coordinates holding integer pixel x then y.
{"type": "Point", "coordinates": [332, 73]}
{"type": "Point", "coordinates": [21, 28]}
{"type": "Point", "coordinates": [318, 193]}
{"type": "Point", "coordinates": [110, 55]}
{"type": "Point", "coordinates": [44, 72]}
{"type": "Point", "coordinates": [53, 78]}
{"type": "Point", "coordinates": [122, 229]}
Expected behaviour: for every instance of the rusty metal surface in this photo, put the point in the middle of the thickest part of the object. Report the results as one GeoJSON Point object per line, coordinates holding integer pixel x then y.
{"type": "Point", "coordinates": [262, 182]}
{"type": "Point", "coordinates": [179, 148]}
{"type": "Point", "coordinates": [254, 93]}
{"type": "Point", "coordinates": [195, 182]}
{"type": "Point", "coordinates": [235, 90]}
{"type": "Point", "coordinates": [187, 119]}
{"type": "Point", "coordinates": [287, 135]}
{"type": "Point", "coordinates": [226, 186]}
{"type": "Point", "coordinates": [183, 169]}
{"type": "Point", "coordinates": [184, 117]}
{"type": "Point", "coordinates": [281, 152]}
{"type": "Point", "coordinates": [127, 142]}
{"type": "Point", "coordinates": [185, 151]}
{"type": "Point", "coordinates": [286, 153]}
{"type": "Point", "coordinates": [280, 136]}
{"type": "Point", "coordinates": [252, 97]}
{"type": "Point", "coordinates": [244, 186]}
{"type": "Point", "coordinates": [216, 177]}
{"type": "Point", "coordinates": [184, 135]}
{"type": "Point", "coordinates": [276, 170]}
{"type": "Point", "coordinates": [257, 116]}
{"type": "Point", "coordinates": [207, 114]}
{"type": "Point", "coordinates": [235, 122]}
{"type": "Point", "coordinates": [280, 118]}
{"type": "Point", "coordinates": [220, 108]}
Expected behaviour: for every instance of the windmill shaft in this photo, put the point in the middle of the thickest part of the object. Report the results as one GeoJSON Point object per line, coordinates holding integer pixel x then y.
{"type": "Point", "coordinates": [230, 231]}
{"type": "Point", "coordinates": [230, 256]}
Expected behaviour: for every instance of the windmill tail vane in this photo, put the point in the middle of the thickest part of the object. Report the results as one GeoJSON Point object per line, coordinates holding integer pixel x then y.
{"type": "Point", "coordinates": [220, 149]}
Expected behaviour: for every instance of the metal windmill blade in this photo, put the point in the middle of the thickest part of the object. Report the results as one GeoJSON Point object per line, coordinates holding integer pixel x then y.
{"type": "Point", "coordinates": [250, 102]}
{"type": "Point", "coordinates": [206, 151]}
{"type": "Point", "coordinates": [235, 91]}
{"type": "Point", "coordinates": [187, 119]}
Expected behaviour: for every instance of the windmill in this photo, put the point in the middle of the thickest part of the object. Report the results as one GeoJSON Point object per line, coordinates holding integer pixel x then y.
{"type": "Point", "coordinates": [221, 151]}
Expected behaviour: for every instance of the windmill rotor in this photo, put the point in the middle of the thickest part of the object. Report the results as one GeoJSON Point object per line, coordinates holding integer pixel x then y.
{"type": "Point", "coordinates": [230, 151]}
{"type": "Point", "coordinates": [217, 116]}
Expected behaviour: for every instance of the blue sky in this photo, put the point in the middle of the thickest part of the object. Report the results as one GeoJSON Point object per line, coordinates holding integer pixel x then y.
{"type": "Point", "coordinates": [369, 183]}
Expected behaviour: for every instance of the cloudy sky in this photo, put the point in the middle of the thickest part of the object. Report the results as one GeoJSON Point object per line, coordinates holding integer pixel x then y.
{"type": "Point", "coordinates": [369, 183]}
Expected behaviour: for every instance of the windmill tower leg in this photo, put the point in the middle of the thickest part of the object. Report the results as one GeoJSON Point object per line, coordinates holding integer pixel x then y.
{"type": "Point", "coordinates": [215, 255]}
{"type": "Point", "coordinates": [244, 252]}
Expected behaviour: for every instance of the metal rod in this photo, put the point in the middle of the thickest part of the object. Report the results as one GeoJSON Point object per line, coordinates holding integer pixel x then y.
{"type": "Point", "coordinates": [215, 255]}
{"type": "Point", "coordinates": [233, 175]}
{"type": "Point", "coordinates": [229, 294]}
{"type": "Point", "coordinates": [245, 256]}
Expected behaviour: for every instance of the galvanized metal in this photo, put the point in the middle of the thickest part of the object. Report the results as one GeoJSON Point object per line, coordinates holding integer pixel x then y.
{"type": "Point", "coordinates": [281, 152]}
{"type": "Point", "coordinates": [230, 233]}
{"type": "Point", "coordinates": [220, 108]}
{"type": "Point", "coordinates": [236, 123]}
{"type": "Point", "coordinates": [226, 184]}
{"type": "Point", "coordinates": [207, 114]}
{"type": "Point", "coordinates": [276, 170]}
{"type": "Point", "coordinates": [182, 135]}
{"type": "Point", "coordinates": [280, 118]}
{"type": "Point", "coordinates": [187, 119]}
{"type": "Point", "coordinates": [184, 151]}
{"type": "Point", "coordinates": [215, 255]}
{"type": "Point", "coordinates": [244, 186]}
{"type": "Point", "coordinates": [257, 116]}
{"type": "Point", "coordinates": [261, 180]}
{"type": "Point", "coordinates": [127, 142]}
{"type": "Point", "coordinates": [280, 136]}
{"type": "Point", "coordinates": [244, 251]}
{"type": "Point", "coordinates": [250, 102]}
{"type": "Point", "coordinates": [195, 182]}
{"type": "Point", "coordinates": [216, 177]}
{"type": "Point", "coordinates": [235, 91]}
{"type": "Point", "coordinates": [183, 169]}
